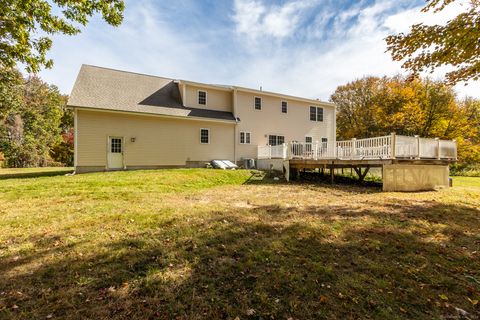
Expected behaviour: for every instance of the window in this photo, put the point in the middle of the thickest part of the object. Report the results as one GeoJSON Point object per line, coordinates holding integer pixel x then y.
{"type": "Point", "coordinates": [204, 136]}
{"type": "Point", "coordinates": [316, 114]}
{"type": "Point", "coordinates": [258, 103]}
{"type": "Point", "coordinates": [308, 144]}
{"type": "Point", "coordinates": [202, 97]}
{"type": "Point", "coordinates": [245, 137]}
{"type": "Point", "coordinates": [284, 106]}
{"type": "Point", "coordinates": [116, 145]}
{"type": "Point", "coordinates": [274, 140]}
{"type": "Point", "coordinates": [324, 142]}
{"type": "Point", "coordinates": [313, 113]}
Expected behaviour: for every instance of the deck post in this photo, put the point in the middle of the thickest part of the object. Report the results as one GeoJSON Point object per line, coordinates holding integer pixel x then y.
{"type": "Point", "coordinates": [438, 148]}
{"type": "Point", "coordinates": [417, 141]}
{"type": "Point", "coordinates": [289, 151]}
{"type": "Point", "coordinates": [269, 152]}
{"type": "Point", "coordinates": [315, 151]}
{"type": "Point", "coordinates": [354, 147]}
{"type": "Point", "coordinates": [393, 145]}
{"type": "Point", "coordinates": [332, 174]}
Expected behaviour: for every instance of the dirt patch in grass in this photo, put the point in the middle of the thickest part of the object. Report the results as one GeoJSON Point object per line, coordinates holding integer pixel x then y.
{"type": "Point", "coordinates": [207, 244]}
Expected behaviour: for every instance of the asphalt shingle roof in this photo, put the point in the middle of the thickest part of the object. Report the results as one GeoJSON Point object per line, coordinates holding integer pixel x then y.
{"type": "Point", "coordinates": [108, 89]}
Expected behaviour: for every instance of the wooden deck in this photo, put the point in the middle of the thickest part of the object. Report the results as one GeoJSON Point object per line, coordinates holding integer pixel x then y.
{"type": "Point", "coordinates": [362, 154]}
{"type": "Point", "coordinates": [391, 147]}
{"type": "Point", "coordinates": [347, 163]}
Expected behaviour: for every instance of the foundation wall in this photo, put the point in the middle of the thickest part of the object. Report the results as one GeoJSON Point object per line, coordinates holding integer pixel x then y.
{"type": "Point", "coordinates": [406, 177]}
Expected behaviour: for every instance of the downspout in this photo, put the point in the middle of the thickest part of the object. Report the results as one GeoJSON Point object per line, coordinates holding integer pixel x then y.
{"type": "Point", "coordinates": [335, 132]}
{"type": "Point", "coordinates": [234, 98]}
{"type": "Point", "coordinates": [75, 141]}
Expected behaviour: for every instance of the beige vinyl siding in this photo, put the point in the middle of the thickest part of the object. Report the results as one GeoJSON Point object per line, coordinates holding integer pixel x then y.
{"type": "Point", "coordinates": [294, 125]}
{"type": "Point", "coordinates": [158, 140]}
{"type": "Point", "coordinates": [219, 100]}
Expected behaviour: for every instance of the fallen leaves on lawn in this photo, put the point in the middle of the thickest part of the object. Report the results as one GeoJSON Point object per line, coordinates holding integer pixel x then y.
{"type": "Point", "coordinates": [443, 297]}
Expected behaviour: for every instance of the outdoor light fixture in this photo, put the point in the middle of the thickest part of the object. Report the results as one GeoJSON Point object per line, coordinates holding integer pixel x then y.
{"type": "Point", "coordinates": [132, 139]}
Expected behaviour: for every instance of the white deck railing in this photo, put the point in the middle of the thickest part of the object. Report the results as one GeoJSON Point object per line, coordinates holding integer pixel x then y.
{"type": "Point", "coordinates": [387, 147]}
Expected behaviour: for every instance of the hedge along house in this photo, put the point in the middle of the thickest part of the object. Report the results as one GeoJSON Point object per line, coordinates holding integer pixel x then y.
{"type": "Point", "coordinates": [126, 120]}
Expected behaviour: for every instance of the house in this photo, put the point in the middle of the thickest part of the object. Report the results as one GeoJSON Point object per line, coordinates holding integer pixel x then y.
{"type": "Point", "coordinates": [126, 120]}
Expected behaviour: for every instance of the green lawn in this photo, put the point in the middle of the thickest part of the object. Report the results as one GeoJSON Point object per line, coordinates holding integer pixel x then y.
{"type": "Point", "coordinates": [212, 244]}
{"type": "Point", "coordinates": [9, 173]}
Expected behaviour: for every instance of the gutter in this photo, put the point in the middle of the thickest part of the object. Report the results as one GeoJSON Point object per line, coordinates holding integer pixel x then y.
{"type": "Point", "coordinates": [233, 121]}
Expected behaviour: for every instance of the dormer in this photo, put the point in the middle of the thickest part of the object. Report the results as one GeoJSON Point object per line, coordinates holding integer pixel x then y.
{"type": "Point", "coordinates": [205, 96]}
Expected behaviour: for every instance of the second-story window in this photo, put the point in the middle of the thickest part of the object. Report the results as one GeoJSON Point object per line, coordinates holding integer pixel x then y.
{"type": "Point", "coordinates": [316, 114]}
{"type": "Point", "coordinates": [202, 97]}
{"type": "Point", "coordinates": [284, 106]}
{"type": "Point", "coordinates": [258, 103]}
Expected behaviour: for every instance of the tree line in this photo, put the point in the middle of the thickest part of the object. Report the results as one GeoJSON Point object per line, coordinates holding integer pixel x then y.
{"type": "Point", "coordinates": [36, 128]}
{"type": "Point", "coordinates": [374, 106]}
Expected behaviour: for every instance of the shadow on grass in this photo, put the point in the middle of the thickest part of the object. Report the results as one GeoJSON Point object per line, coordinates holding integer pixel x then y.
{"type": "Point", "coordinates": [262, 262]}
{"type": "Point", "coordinates": [38, 174]}
{"type": "Point", "coordinates": [314, 180]}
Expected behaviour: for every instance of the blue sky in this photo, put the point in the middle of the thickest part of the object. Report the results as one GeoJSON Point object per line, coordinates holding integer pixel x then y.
{"type": "Point", "coordinates": [304, 47]}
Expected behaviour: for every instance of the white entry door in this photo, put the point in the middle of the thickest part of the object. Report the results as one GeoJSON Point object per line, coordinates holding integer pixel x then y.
{"type": "Point", "coordinates": [115, 153]}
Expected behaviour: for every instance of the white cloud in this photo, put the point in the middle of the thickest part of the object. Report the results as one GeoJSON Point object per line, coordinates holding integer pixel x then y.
{"type": "Point", "coordinates": [304, 48]}
{"type": "Point", "coordinates": [350, 51]}
{"type": "Point", "coordinates": [255, 20]}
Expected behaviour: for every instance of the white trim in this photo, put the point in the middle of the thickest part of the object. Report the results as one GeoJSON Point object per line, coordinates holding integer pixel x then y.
{"type": "Point", "coordinates": [209, 137]}
{"type": "Point", "coordinates": [75, 138]}
{"type": "Point", "coordinates": [334, 127]}
{"type": "Point", "coordinates": [235, 129]}
{"type": "Point", "coordinates": [147, 114]}
{"type": "Point", "coordinates": [255, 103]}
{"type": "Point", "coordinates": [184, 94]}
{"type": "Point", "coordinates": [245, 137]}
{"type": "Point", "coordinates": [206, 97]}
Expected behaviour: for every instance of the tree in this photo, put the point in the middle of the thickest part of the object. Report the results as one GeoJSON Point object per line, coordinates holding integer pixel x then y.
{"type": "Point", "coordinates": [22, 22]}
{"type": "Point", "coordinates": [63, 151]}
{"type": "Point", "coordinates": [455, 44]}
{"type": "Point", "coordinates": [30, 119]}
{"type": "Point", "coordinates": [374, 106]}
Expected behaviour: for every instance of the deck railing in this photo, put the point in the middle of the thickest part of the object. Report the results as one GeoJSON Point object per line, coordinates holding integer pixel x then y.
{"type": "Point", "coordinates": [386, 147]}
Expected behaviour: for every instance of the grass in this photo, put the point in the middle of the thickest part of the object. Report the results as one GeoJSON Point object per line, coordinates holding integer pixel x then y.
{"type": "Point", "coordinates": [10, 173]}
{"type": "Point", "coordinates": [470, 170]}
{"type": "Point", "coordinates": [211, 244]}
